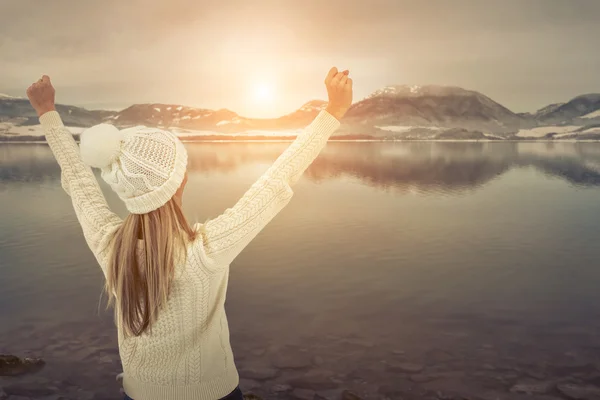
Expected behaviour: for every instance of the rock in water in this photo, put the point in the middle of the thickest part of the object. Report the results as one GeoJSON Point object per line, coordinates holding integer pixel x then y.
{"type": "Point", "coordinates": [348, 395]}
{"type": "Point", "coordinates": [532, 387]}
{"type": "Point", "coordinates": [405, 367]}
{"type": "Point", "coordinates": [259, 373]}
{"type": "Point", "coordinates": [13, 365]}
{"type": "Point", "coordinates": [251, 396]}
{"type": "Point", "coordinates": [281, 388]}
{"type": "Point", "coordinates": [315, 380]}
{"type": "Point", "coordinates": [579, 392]}
{"type": "Point", "coordinates": [248, 384]}
{"type": "Point", "coordinates": [291, 359]}
{"type": "Point", "coordinates": [304, 394]}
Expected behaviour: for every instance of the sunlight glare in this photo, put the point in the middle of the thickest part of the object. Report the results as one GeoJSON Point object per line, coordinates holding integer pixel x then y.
{"type": "Point", "coordinates": [263, 93]}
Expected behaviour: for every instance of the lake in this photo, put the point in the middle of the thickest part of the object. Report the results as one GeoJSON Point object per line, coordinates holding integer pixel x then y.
{"type": "Point", "coordinates": [398, 269]}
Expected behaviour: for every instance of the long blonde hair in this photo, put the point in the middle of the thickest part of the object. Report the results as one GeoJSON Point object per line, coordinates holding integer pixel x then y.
{"type": "Point", "coordinates": [140, 286]}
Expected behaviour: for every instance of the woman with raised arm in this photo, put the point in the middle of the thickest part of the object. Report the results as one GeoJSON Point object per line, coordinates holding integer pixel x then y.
{"type": "Point", "coordinates": [167, 280]}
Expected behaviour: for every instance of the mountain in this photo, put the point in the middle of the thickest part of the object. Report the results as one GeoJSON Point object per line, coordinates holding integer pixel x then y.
{"type": "Point", "coordinates": [542, 112]}
{"type": "Point", "coordinates": [178, 117]}
{"type": "Point", "coordinates": [434, 106]}
{"type": "Point", "coordinates": [577, 107]}
{"type": "Point", "coordinates": [17, 110]}
{"type": "Point", "coordinates": [393, 112]}
{"type": "Point", "coordinates": [173, 115]}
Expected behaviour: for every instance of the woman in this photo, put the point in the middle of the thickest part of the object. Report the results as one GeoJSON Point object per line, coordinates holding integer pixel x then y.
{"type": "Point", "coordinates": [166, 279]}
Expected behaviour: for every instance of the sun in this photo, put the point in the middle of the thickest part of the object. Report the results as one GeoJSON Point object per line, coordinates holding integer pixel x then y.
{"type": "Point", "coordinates": [261, 97]}
{"type": "Point", "coordinates": [263, 93]}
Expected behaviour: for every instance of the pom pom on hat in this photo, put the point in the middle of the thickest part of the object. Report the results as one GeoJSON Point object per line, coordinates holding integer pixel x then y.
{"type": "Point", "coordinates": [100, 145]}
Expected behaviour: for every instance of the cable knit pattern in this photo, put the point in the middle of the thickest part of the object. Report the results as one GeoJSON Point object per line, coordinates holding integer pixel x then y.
{"type": "Point", "coordinates": [187, 355]}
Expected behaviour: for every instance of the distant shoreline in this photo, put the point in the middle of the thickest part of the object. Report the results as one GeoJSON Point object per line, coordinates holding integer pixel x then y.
{"type": "Point", "coordinates": [356, 141]}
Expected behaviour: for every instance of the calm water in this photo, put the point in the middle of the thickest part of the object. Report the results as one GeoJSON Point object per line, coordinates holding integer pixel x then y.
{"type": "Point", "coordinates": [393, 249]}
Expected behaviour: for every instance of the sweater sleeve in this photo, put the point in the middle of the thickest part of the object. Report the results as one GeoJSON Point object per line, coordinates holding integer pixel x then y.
{"type": "Point", "coordinates": [227, 235]}
{"type": "Point", "coordinates": [97, 221]}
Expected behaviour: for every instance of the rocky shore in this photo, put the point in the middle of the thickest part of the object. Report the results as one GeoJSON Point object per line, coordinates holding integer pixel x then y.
{"type": "Point", "coordinates": [80, 361]}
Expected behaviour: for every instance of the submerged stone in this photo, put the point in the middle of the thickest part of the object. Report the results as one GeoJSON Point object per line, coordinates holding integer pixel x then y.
{"type": "Point", "coordinates": [12, 365]}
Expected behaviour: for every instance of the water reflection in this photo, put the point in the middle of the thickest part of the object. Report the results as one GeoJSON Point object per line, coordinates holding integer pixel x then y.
{"type": "Point", "coordinates": [427, 167]}
{"type": "Point", "coordinates": [492, 287]}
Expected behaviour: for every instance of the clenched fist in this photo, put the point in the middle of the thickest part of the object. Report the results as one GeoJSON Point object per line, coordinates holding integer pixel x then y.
{"type": "Point", "coordinates": [41, 95]}
{"type": "Point", "coordinates": [339, 89]}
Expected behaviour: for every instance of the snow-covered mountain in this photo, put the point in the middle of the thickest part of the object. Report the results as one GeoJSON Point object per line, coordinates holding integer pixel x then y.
{"type": "Point", "coordinates": [18, 111]}
{"type": "Point", "coordinates": [545, 111]}
{"type": "Point", "coordinates": [578, 107]}
{"type": "Point", "coordinates": [222, 121]}
{"type": "Point", "coordinates": [393, 112]}
{"type": "Point", "coordinates": [432, 107]}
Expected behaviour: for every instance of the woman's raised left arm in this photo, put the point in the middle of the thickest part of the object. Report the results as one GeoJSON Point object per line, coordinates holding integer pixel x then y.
{"type": "Point", "coordinates": [98, 222]}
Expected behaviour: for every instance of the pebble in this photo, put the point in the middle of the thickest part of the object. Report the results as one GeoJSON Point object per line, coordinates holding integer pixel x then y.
{"type": "Point", "coordinates": [251, 396]}
{"type": "Point", "coordinates": [304, 394]}
{"type": "Point", "coordinates": [533, 387]}
{"type": "Point", "coordinates": [358, 342]}
{"type": "Point", "coordinates": [261, 374]}
{"type": "Point", "coordinates": [258, 352]}
{"type": "Point", "coordinates": [248, 384]}
{"type": "Point", "coordinates": [291, 359]}
{"type": "Point", "coordinates": [420, 378]}
{"type": "Point", "coordinates": [105, 359]}
{"type": "Point", "coordinates": [405, 367]}
{"type": "Point", "coordinates": [315, 380]}
{"type": "Point", "coordinates": [13, 366]}
{"type": "Point", "coordinates": [579, 392]}
{"type": "Point", "coordinates": [32, 389]}
{"type": "Point", "coordinates": [536, 375]}
{"type": "Point", "coordinates": [497, 395]}
{"type": "Point", "coordinates": [334, 394]}
{"type": "Point", "coordinates": [348, 395]}
{"type": "Point", "coordinates": [281, 388]}
{"type": "Point", "coordinates": [81, 394]}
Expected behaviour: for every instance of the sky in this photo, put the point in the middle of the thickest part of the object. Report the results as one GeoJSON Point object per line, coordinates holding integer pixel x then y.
{"type": "Point", "coordinates": [265, 58]}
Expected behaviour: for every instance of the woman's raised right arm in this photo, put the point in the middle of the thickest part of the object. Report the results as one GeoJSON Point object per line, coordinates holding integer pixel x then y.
{"type": "Point", "coordinates": [227, 235]}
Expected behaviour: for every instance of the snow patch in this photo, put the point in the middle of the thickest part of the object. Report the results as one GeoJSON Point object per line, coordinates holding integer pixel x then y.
{"type": "Point", "coordinates": [588, 131]}
{"type": "Point", "coordinates": [179, 108]}
{"type": "Point", "coordinates": [544, 130]}
{"type": "Point", "coordinates": [593, 114]}
{"type": "Point", "coordinates": [492, 136]}
{"type": "Point", "coordinates": [223, 123]}
{"type": "Point", "coordinates": [157, 109]}
{"type": "Point", "coordinates": [396, 128]}
{"type": "Point", "coordinates": [186, 117]}
{"type": "Point", "coordinates": [168, 108]}
{"type": "Point", "coordinates": [10, 129]}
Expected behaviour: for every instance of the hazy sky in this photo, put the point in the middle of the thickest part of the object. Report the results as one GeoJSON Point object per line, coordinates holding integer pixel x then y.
{"type": "Point", "coordinates": [266, 58]}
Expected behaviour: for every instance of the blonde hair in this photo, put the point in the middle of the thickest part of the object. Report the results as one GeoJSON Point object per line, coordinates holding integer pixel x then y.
{"type": "Point", "coordinates": [139, 279]}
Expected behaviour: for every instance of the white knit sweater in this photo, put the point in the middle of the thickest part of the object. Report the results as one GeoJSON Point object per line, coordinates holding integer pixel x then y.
{"type": "Point", "coordinates": [188, 355]}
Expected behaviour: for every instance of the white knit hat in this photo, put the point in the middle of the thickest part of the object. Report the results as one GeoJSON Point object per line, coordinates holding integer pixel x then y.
{"type": "Point", "coordinates": [144, 166]}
